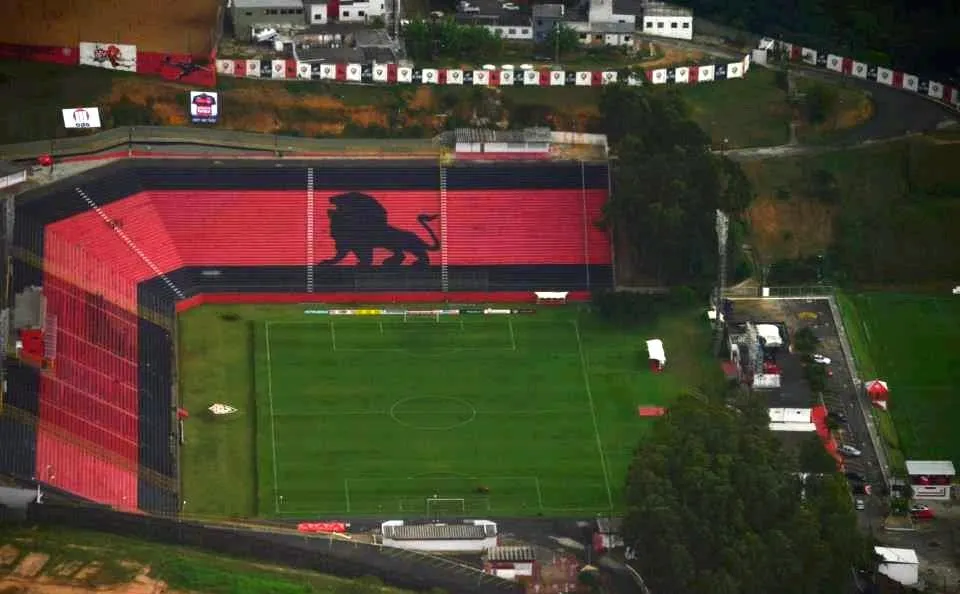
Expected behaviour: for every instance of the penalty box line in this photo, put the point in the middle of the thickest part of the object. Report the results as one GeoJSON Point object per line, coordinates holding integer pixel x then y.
{"type": "Point", "coordinates": [535, 480]}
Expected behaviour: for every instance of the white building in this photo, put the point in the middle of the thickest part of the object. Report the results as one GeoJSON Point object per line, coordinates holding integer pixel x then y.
{"type": "Point", "coordinates": [510, 563]}
{"type": "Point", "coordinates": [900, 565]}
{"type": "Point", "coordinates": [931, 479]}
{"type": "Point", "coordinates": [361, 11]}
{"type": "Point", "coordinates": [472, 536]}
{"type": "Point", "coordinates": [665, 20]}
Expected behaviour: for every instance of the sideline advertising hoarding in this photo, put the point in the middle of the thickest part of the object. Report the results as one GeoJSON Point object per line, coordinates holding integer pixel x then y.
{"type": "Point", "coordinates": [112, 56]}
{"type": "Point", "coordinates": [204, 107]}
{"type": "Point", "coordinates": [81, 117]}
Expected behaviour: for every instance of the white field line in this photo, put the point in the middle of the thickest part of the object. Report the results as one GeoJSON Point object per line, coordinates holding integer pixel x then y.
{"type": "Point", "coordinates": [333, 336]}
{"type": "Point", "coordinates": [273, 425]}
{"type": "Point", "coordinates": [513, 338]}
{"type": "Point", "coordinates": [593, 414]}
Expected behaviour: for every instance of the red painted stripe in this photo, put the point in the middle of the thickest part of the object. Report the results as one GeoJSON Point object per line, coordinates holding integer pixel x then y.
{"type": "Point", "coordinates": [361, 298]}
{"type": "Point", "coordinates": [68, 56]}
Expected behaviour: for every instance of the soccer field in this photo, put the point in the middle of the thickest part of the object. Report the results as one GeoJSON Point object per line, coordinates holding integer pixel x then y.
{"type": "Point", "coordinates": [912, 341]}
{"type": "Point", "coordinates": [387, 415]}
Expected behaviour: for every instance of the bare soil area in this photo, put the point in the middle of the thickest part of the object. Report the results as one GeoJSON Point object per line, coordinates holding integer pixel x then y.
{"type": "Point", "coordinates": [151, 25]}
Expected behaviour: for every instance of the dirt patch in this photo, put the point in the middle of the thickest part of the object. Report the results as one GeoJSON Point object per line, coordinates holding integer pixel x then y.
{"type": "Point", "coordinates": [792, 228]}
{"type": "Point", "coordinates": [66, 569]}
{"type": "Point", "coordinates": [673, 57]}
{"type": "Point", "coordinates": [31, 565]}
{"type": "Point", "coordinates": [151, 26]}
{"type": "Point", "coordinates": [8, 554]}
{"type": "Point", "coordinates": [422, 99]}
{"type": "Point", "coordinates": [89, 572]}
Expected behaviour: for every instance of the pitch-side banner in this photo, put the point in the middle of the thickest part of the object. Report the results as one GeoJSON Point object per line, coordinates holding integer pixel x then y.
{"type": "Point", "coordinates": [112, 56]}
{"type": "Point", "coordinates": [204, 107]}
{"type": "Point", "coordinates": [81, 117]}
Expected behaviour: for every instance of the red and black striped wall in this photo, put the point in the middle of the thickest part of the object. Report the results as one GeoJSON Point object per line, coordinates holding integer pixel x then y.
{"type": "Point", "coordinates": [124, 246]}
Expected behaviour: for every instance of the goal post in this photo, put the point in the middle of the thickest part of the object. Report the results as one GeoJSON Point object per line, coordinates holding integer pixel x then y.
{"type": "Point", "coordinates": [421, 316]}
{"type": "Point", "coordinates": [437, 507]}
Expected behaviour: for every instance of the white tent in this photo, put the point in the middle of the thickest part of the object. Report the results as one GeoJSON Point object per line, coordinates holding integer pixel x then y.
{"type": "Point", "coordinates": [655, 351]}
{"type": "Point", "coordinates": [770, 335]}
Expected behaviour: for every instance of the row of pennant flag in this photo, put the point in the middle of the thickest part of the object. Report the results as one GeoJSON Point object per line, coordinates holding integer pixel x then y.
{"type": "Point", "coordinates": [947, 94]}
{"type": "Point", "coordinates": [281, 69]}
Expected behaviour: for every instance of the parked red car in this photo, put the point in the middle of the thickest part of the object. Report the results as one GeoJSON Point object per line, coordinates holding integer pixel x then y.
{"type": "Point", "coordinates": [921, 512]}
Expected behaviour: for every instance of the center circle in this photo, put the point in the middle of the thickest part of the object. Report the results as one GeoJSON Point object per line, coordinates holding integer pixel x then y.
{"type": "Point", "coordinates": [432, 413]}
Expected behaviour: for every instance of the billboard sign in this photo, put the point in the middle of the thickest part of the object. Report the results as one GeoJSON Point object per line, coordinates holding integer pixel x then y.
{"type": "Point", "coordinates": [112, 56]}
{"type": "Point", "coordinates": [81, 117]}
{"type": "Point", "coordinates": [204, 107]}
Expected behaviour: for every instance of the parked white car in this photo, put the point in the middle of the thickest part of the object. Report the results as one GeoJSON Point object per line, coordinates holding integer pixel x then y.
{"type": "Point", "coordinates": [849, 450]}
{"type": "Point", "coordinates": [821, 359]}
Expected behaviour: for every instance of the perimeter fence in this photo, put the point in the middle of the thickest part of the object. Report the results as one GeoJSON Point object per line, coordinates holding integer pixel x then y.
{"type": "Point", "coordinates": [158, 139]}
{"type": "Point", "coordinates": [328, 554]}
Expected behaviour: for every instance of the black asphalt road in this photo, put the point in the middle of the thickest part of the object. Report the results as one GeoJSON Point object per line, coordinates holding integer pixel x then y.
{"type": "Point", "coordinates": [843, 395]}
{"type": "Point", "coordinates": [896, 112]}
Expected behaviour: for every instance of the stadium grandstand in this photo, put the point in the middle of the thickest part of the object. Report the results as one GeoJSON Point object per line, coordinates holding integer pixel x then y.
{"type": "Point", "coordinates": [99, 265]}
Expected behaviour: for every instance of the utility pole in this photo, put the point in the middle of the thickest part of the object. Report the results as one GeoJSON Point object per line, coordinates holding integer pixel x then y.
{"type": "Point", "coordinates": [556, 43]}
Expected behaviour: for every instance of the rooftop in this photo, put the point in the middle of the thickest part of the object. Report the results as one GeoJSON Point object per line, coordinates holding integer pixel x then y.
{"type": "Point", "coordinates": [930, 467]}
{"type": "Point", "coordinates": [609, 525]}
{"type": "Point", "coordinates": [486, 135]}
{"type": "Point", "coordinates": [510, 554]}
{"type": "Point", "coordinates": [439, 532]}
{"type": "Point", "coordinates": [548, 11]}
{"type": "Point", "coordinates": [600, 27]}
{"type": "Point", "coordinates": [665, 10]}
{"type": "Point", "coordinates": [268, 3]}
{"type": "Point", "coordinates": [7, 168]}
{"type": "Point", "coordinates": [891, 555]}
{"type": "Point", "coordinates": [503, 19]}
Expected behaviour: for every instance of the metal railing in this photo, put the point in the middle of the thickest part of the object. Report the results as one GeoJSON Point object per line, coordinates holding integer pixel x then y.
{"type": "Point", "coordinates": [791, 292]}
{"type": "Point", "coordinates": [155, 138]}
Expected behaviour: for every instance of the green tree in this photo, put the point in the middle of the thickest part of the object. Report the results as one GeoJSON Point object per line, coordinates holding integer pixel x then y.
{"type": "Point", "coordinates": [561, 40]}
{"type": "Point", "coordinates": [821, 102]}
{"type": "Point", "coordinates": [805, 341]}
{"type": "Point", "coordinates": [667, 185]}
{"type": "Point", "coordinates": [813, 457]}
{"type": "Point", "coordinates": [714, 508]}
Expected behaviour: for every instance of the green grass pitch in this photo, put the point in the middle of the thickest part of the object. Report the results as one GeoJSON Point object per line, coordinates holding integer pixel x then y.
{"type": "Point", "coordinates": [912, 341]}
{"type": "Point", "coordinates": [376, 415]}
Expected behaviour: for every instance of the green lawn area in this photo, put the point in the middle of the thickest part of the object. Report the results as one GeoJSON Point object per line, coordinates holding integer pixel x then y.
{"type": "Point", "coordinates": [32, 95]}
{"type": "Point", "coordinates": [750, 111]}
{"type": "Point", "coordinates": [373, 415]}
{"type": "Point", "coordinates": [183, 569]}
{"type": "Point", "coordinates": [911, 341]}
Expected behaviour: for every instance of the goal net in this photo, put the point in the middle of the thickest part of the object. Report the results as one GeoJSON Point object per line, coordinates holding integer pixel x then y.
{"type": "Point", "coordinates": [446, 506]}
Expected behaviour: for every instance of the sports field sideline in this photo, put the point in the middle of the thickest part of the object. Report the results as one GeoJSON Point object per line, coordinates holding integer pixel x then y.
{"type": "Point", "coordinates": [912, 341]}
{"type": "Point", "coordinates": [350, 415]}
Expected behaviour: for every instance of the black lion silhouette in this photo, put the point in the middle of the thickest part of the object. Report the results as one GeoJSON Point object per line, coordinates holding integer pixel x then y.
{"type": "Point", "coordinates": [358, 224]}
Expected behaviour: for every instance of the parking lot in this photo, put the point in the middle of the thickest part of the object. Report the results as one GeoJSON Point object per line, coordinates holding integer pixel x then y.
{"type": "Point", "coordinates": [842, 392]}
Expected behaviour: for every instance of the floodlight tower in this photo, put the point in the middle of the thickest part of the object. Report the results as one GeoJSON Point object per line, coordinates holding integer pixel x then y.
{"type": "Point", "coordinates": [722, 225]}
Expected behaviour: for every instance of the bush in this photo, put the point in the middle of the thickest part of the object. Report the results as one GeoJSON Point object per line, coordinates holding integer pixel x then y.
{"type": "Point", "coordinates": [625, 307]}
{"type": "Point", "coordinates": [805, 341]}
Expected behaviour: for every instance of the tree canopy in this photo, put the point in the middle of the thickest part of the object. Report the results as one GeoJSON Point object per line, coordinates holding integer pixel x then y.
{"type": "Point", "coordinates": [714, 507]}
{"type": "Point", "coordinates": [445, 38]}
{"type": "Point", "coordinates": [667, 184]}
{"type": "Point", "coordinates": [919, 35]}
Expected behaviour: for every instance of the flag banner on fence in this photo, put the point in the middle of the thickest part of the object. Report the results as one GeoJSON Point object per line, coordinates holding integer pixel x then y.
{"type": "Point", "coordinates": [112, 56]}
{"type": "Point", "coordinates": [204, 107]}
{"type": "Point", "coordinates": [81, 117]}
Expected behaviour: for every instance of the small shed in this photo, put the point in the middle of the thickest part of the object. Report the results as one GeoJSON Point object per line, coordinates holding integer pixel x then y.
{"type": "Point", "coordinates": [931, 479]}
{"type": "Point", "coordinates": [527, 141]}
{"type": "Point", "coordinates": [11, 175]}
{"type": "Point", "coordinates": [656, 354]}
{"type": "Point", "coordinates": [900, 565]}
{"type": "Point", "coordinates": [792, 419]}
{"type": "Point", "coordinates": [511, 562]}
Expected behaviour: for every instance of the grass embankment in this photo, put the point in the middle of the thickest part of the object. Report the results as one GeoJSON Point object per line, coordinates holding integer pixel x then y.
{"type": "Point", "coordinates": [884, 212]}
{"type": "Point", "coordinates": [747, 112]}
{"type": "Point", "coordinates": [911, 342]}
{"type": "Point", "coordinates": [97, 561]}
{"type": "Point", "coordinates": [374, 415]}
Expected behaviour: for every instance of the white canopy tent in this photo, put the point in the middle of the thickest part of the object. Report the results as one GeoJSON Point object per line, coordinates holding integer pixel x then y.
{"type": "Point", "coordinates": [770, 335]}
{"type": "Point", "coordinates": [655, 351]}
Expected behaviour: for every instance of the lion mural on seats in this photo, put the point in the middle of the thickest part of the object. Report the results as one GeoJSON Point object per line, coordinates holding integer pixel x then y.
{"type": "Point", "coordinates": [358, 224]}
